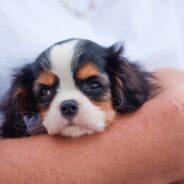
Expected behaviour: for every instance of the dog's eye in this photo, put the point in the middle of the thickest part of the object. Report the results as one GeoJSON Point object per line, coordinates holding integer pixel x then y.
{"type": "Point", "coordinates": [45, 92]}
{"type": "Point", "coordinates": [93, 85]}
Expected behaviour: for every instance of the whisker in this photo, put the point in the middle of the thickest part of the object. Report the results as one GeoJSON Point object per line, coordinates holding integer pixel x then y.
{"type": "Point", "coordinates": [36, 129]}
{"type": "Point", "coordinates": [27, 112]}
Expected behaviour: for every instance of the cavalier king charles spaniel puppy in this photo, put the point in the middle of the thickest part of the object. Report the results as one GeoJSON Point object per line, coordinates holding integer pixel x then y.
{"type": "Point", "coordinates": [75, 87]}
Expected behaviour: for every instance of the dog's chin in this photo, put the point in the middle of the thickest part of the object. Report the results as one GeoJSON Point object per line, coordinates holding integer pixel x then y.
{"type": "Point", "coordinates": [75, 131]}
{"type": "Point", "coordinates": [72, 130]}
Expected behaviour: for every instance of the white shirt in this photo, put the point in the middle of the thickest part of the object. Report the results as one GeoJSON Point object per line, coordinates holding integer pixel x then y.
{"type": "Point", "coordinates": [152, 30]}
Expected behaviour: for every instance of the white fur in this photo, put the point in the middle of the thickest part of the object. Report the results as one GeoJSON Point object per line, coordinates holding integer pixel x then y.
{"type": "Point", "coordinates": [90, 118]}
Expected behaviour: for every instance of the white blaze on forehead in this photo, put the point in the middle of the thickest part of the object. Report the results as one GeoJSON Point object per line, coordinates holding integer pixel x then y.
{"type": "Point", "coordinates": [61, 61]}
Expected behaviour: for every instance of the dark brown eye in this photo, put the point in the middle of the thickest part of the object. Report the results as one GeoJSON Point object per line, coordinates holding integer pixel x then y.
{"type": "Point", "coordinates": [45, 92]}
{"type": "Point", "coordinates": [94, 85]}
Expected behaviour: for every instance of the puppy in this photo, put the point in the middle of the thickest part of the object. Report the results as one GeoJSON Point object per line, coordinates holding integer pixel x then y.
{"type": "Point", "coordinates": [75, 87]}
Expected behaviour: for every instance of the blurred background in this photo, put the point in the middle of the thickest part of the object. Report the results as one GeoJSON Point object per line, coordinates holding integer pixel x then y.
{"type": "Point", "coordinates": [152, 31]}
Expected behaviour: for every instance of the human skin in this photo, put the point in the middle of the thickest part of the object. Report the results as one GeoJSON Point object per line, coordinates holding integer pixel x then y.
{"type": "Point", "coordinates": [144, 147]}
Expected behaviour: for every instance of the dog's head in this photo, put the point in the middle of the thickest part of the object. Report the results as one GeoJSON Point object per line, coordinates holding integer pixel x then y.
{"type": "Point", "coordinates": [75, 87]}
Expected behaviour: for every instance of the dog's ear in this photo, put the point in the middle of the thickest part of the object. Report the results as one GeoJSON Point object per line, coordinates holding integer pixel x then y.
{"type": "Point", "coordinates": [129, 83]}
{"type": "Point", "coordinates": [17, 101]}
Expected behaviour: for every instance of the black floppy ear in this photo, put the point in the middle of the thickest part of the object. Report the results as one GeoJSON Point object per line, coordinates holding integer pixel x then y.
{"type": "Point", "coordinates": [17, 102]}
{"type": "Point", "coordinates": [129, 83]}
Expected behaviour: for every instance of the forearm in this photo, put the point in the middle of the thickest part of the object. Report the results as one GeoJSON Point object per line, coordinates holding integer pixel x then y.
{"type": "Point", "coordinates": [143, 147]}
{"type": "Point", "coordinates": [124, 153]}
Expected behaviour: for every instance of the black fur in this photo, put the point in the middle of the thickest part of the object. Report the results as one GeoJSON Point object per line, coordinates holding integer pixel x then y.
{"type": "Point", "coordinates": [18, 104]}
{"type": "Point", "coordinates": [15, 105]}
{"type": "Point", "coordinates": [130, 84]}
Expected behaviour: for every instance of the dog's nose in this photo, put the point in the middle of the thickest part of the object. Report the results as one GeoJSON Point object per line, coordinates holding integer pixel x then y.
{"type": "Point", "coordinates": [69, 108]}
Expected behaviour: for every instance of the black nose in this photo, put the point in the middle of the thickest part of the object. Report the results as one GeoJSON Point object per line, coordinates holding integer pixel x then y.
{"type": "Point", "coordinates": [69, 108]}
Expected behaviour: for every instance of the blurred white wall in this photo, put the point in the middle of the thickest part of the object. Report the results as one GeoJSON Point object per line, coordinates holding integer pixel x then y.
{"type": "Point", "coordinates": [152, 30]}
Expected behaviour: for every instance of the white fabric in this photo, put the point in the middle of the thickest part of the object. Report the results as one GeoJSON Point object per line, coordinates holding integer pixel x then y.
{"type": "Point", "coordinates": [152, 30]}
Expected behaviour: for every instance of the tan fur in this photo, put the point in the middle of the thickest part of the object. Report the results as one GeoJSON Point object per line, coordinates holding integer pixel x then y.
{"type": "Point", "coordinates": [119, 85]}
{"type": "Point", "coordinates": [87, 70]}
{"type": "Point", "coordinates": [46, 78]}
{"type": "Point", "coordinates": [106, 106]}
{"type": "Point", "coordinates": [18, 91]}
{"type": "Point", "coordinates": [43, 112]}
{"type": "Point", "coordinates": [20, 94]}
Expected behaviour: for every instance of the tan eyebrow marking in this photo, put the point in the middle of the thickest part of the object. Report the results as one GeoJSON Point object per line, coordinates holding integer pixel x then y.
{"type": "Point", "coordinates": [46, 78]}
{"type": "Point", "coordinates": [87, 70]}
